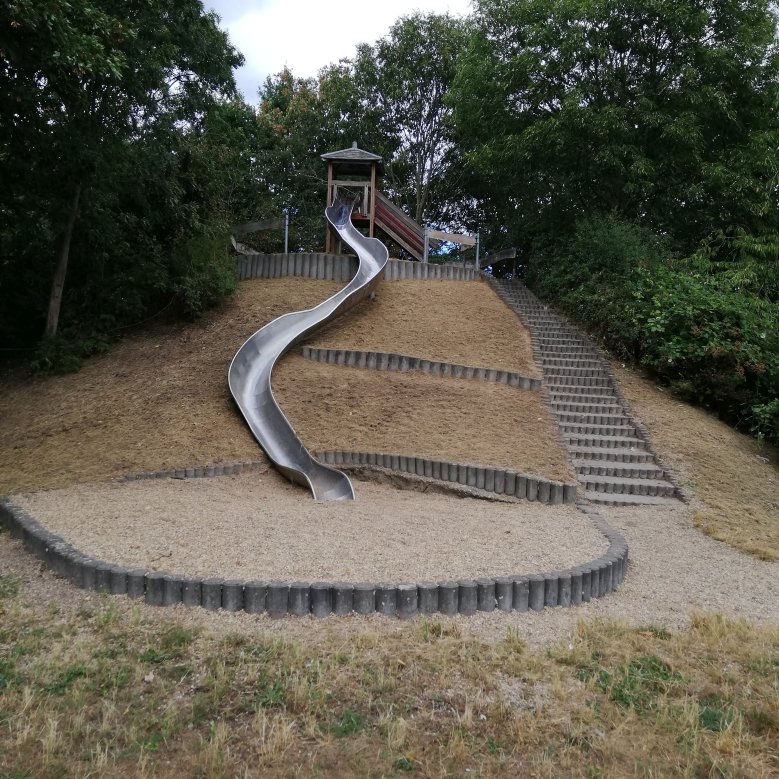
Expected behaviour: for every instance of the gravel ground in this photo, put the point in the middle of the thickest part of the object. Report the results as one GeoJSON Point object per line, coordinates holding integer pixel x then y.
{"type": "Point", "coordinates": [259, 526]}
{"type": "Point", "coordinates": [674, 571]}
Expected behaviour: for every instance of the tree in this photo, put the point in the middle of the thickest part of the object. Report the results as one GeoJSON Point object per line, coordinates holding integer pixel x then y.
{"type": "Point", "coordinates": [290, 142]}
{"type": "Point", "coordinates": [404, 80]}
{"type": "Point", "coordinates": [301, 119]}
{"type": "Point", "coordinates": [79, 83]}
{"type": "Point", "coordinates": [663, 112]}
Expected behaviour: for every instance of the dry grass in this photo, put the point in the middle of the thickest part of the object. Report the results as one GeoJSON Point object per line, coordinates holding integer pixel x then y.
{"type": "Point", "coordinates": [92, 686]}
{"type": "Point", "coordinates": [734, 479]}
{"type": "Point", "coordinates": [159, 399]}
{"type": "Point", "coordinates": [108, 689]}
{"type": "Point", "coordinates": [335, 407]}
{"type": "Point", "coordinates": [471, 326]}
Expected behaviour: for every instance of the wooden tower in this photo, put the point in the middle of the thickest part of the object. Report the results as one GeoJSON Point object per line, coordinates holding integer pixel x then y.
{"type": "Point", "coordinates": [355, 171]}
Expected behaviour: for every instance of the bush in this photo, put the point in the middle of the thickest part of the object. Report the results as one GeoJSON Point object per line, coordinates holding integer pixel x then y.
{"type": "Point", "coordinates": [715, 346]}
{"type": "Point", "coordinates": [61, 353]}
{"type": "Point", "coordinates": [104, 299]}
{"type": "Point", "coordinates": [203, 274]}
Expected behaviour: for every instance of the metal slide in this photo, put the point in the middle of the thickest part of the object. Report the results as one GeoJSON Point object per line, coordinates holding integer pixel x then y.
{"type": "Point", "coordinates": [250, 371]}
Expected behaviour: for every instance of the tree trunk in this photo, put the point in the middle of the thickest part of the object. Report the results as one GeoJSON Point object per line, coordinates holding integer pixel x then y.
{"type": "Point", "coordinates": [58, 283]}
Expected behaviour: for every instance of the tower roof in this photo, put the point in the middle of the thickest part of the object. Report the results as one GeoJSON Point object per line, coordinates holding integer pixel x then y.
{"type": "Point", "coordinates": [351, 154]}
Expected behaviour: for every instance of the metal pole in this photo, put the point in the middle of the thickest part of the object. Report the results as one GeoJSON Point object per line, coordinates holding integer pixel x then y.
{"type": "Point", "coordinates": [424, 256]}
{"type": "Point", "coordinates": [477, 251]}
{"type": "Point", "coordinates": [286, 231]}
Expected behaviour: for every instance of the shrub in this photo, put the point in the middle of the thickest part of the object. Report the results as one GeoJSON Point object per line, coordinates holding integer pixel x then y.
{"type": "Point", "coordinates": [63, 353]}
{"type": "Point", "coordinates": [715, 345]}
{"type": "Point", "coordinates": [203, 274]}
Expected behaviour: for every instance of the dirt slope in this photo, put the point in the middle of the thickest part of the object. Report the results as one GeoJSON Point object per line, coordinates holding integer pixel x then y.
{"type": "Point", "coordinates": [159, 399]}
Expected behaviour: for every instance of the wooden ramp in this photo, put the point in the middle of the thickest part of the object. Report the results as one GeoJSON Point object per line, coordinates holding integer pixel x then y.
{"type": "Point", "coordinates": [400, 227]}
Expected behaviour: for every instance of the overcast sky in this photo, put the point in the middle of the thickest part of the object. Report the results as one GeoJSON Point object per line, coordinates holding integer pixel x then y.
{"type": "Point", "coordinates": [305, 35]}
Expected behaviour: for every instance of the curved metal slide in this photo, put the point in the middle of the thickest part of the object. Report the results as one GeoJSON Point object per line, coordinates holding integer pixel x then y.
{"type": "Point", "coordinates": [250, 371]}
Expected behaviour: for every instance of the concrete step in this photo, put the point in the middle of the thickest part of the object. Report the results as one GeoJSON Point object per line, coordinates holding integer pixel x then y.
{"type": "Point", "coordinates": [581, 418]}
{"type": "Point", "coordinates": [553, 329]}
{"type": "Point", "coordinates": [627, 486]}
{"type": "Point", "coordinates": [553, 371]}
{"type": "Point", "coordinates": [546, 337]}
{"type": "Point", "coordinates": [602, 454]}
{"type": "Point", "coordinates": [572, 341]}
{"type": "Point", "coordinates": [590, 382]}
{"type": "Point", "coordinates": [646, 470]}
{"type": "Point", "coordinates": [561, 407]}
{"type": "Point", "coordinates": [571, 362]}
{"type": "Point", "coordinates": [575, 350]}
{"type": "Point", "coordinates": [599, 396]}
{"type": "Point", "coordinates": [546, 323]}
{"type": "Point", "coordinates": [614, 499]}
{"type": "Point", "coordinates": [570, 352]}
{"type": "Point", "coordinates": [572, 428]}
{"type": "Point", "coordinates": [610, 458]}
{"type": "Point", "coordinates": [575, 441]}
{"type": "Point", "coordinates": [554, 339]}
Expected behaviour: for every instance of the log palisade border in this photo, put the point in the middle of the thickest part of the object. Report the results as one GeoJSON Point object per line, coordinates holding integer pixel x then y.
{"type": "Point", "coordinates": [341, 267]}
{"type": "Point", "coordinates": [568, 587]}
{"type": "Point", "coordinates": [390, 361]}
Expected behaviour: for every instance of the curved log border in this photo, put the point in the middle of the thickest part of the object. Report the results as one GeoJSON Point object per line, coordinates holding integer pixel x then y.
{"type": "Point", "coordinates": [390, 361]}
{"type": "Point", "coordinates": [568, 587]}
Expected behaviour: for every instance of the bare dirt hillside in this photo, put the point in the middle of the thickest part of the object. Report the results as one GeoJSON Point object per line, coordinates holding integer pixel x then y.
{"type": "Point", "coordinates": [468, 327]}
{"type": "Point", "coordinates": [334, 407]}
{"type": "Point", "coordinates": [159, 399]}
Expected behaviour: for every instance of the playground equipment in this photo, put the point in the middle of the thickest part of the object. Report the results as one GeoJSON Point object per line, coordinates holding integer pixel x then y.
{"type": "Point", "coordinates": [356, 171]}
{"type": "Point", "coordinates": [249, 375]}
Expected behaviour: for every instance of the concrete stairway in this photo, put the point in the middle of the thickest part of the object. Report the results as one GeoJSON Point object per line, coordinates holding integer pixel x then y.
{"type": "Point", "coordinates": [608, 450]}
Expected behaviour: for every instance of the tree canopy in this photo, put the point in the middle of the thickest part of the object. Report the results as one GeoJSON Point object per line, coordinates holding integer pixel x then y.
{"type": "Point", "coordinates": [100, 105]}
{"type": "Point", "coordinates": [664, 112]}
{"type": "Point", "coordinates": [631, 150]}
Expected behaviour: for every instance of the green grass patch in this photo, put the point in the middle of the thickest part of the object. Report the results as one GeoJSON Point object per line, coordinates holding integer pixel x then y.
{"type": "Point", "coordinates": [272, 692]}
{"type": "Point", "coordinates": [144, 694]}
{"type": "Point", "coordinates": [640, 683]}
{"type": "Point", "coordinates": [9, 586]}
{"type": "Point", "coordinates": [403, 764]}
{"type": "Point", "coordinates": [65, 680]}
{"type": "Point", "coordinates": [715, 714]}
{"type": "Point", "coordinates": [348, 723]}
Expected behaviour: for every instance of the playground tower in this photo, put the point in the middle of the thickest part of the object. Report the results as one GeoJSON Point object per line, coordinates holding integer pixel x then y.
{"type": "Point", "coordinates": [355, 171]}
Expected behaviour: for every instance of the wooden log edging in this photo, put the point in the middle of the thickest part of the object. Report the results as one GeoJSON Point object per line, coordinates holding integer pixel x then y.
{"type": "Point", "coordinates": [498, 481]}
{"type": "Point", "coordinates": [342, 267]}
{"type": "Point", "coordinates": [200, 471]}
{"type": "Point", "coordinates": [390, 361]}
{"type": "Point", "coordinates": [406, 270]}
{"type": "Point", "coordinates": [521, 593]}
{"type": "Point", "coordinates": [315, 265]}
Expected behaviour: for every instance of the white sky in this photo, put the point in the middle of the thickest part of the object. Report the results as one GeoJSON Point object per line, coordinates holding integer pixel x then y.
{"type": "Point", "coordinates": [305, 35]}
